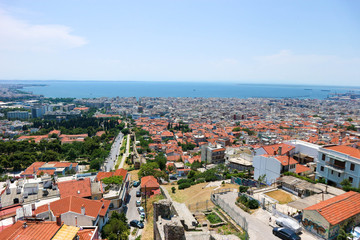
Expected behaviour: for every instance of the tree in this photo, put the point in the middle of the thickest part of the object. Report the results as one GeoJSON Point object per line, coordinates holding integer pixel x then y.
{"type": "Point", "coordinates": [116, 228]}
{"type": "Point", "coordinates": [125, 131]}
{"type": "Point", "coordinates": [343, 235]}
{"type": "Point", "coordinates": [173, 189]}
{"type": "Point", "coordinates": [345, 183]}
{"type": "Point", "coordinates": [261, 178]}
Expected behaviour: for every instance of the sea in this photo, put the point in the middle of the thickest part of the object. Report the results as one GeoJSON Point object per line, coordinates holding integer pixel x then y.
{"type": "Point", "coordinates": [95, 89]}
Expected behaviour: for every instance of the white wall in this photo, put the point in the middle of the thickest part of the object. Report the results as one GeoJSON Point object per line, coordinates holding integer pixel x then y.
{"type": "Point", "coordinates": [260, 151]}
{"type": "Point", "coordinates": [306, 148]}
{"type": "Point", "coordinates": [266, 165]}
{"type": "Point", "coordinates": [82, 220]}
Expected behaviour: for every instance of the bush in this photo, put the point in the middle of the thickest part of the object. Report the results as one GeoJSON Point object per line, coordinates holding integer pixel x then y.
{"type": "Point", "coordinates": [184, 185]}
{"type": "Point", "coordinates": [243, 199]}
{"type": "Point", "coordinates": [243, 189]}
{"type": "Point", "coordinates": [253, 204]}
{"type": "Point", "coordinates": [200, 180]}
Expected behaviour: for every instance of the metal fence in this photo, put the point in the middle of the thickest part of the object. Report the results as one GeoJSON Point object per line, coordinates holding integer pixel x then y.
{"type": "Point", "coordinates": [235, 215]}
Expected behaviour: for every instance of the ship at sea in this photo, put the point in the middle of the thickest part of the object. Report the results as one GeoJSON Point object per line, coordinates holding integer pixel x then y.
{"type": "Point", "coordinates": [325, 90]}
{"type": "Point", "coordinates": [307, 88]}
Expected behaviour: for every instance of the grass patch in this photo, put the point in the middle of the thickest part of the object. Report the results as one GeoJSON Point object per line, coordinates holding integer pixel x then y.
{"type": "Point", "coordinates": [280, 195]}
{"type": "Point", "coordinates": [213, 218]}
{"type": "Point", "coordinates": [195, 193]}
{"type": "Point", "coordinates": [148, 232]}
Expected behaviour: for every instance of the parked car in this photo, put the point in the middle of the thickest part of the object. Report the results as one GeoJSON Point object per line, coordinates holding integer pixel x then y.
{"type": "Point", "coordinates": [138, 193]}
{"type": "Point", "coordinates": [289, 223]}
{"type": "Point", "coordinates": [136, 184]}
{"type": "Point", "coordinates": [141, 210]}
{"type": "Point", "coordinates": [173, 177]}
{"type": "Point", "coordinates": [138, 203]}
{"type": "Point", "coordinates": [285, 233]}
{"type": "Point", "coordinates": [136, 223]}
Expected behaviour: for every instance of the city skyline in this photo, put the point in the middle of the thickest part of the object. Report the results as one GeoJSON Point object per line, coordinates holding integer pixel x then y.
{"type": "Point", "coordinates": [301, 43]}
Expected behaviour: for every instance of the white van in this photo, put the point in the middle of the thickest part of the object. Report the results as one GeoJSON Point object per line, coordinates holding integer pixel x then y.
{"type": "Point", "coordinates": [289, 223]}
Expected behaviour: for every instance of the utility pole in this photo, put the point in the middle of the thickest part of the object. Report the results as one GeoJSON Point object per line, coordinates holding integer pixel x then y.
{"type": "Point", "coordinates": [145, 204]}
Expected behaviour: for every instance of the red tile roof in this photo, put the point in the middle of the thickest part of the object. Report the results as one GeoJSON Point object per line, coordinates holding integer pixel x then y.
{"type": "Point", "coordinates": [93, 208]}
{"type": "Point", "coordinates": [275, 148]}
{"type": "Point", "coordinates": [80, 188]}
{"type": "Point", "coordinates": [119, 172]}
{"type": "Point", "coordinates": [339, 208]}
{"type": "Point", "coordinates": [284, 160]}
{"type": "Point", "coordinates": [301, 168]}
{"type": "Point", "coordinates": [353, 152]}
{"type": "Point", "coordinates": [32, 231]}
{"type": "Point", "coordinates": [86, 234]}
{"type": "Point", "coordinates": [149, 182]}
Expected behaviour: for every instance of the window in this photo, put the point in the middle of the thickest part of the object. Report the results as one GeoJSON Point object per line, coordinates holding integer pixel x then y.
{"type": "Point", "coordinates": [339, 174]}
{"type": "Point", "coordinates": [332, 171]}
{"type": "Point", "coordinates": [323, 157]}
{"type": "Point", "coordinates": [352, 167]}
{"type": "Point", "coordinates": [322, 168]}
{"type": "Point", "coordinates": [351, 179]}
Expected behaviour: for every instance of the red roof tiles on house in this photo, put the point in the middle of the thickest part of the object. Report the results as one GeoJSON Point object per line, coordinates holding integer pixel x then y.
{"type": "Point", "coordinates": [339, 208]}
{"type": "Point", "coordinates": [271, 149]}
{"type": "Point", "coordinates": [93, 208]}
{"type": "Point", "coordinates": [80, 188]}
{"type": "Point", "coordinates": [353, 152]}
{"type": "Point", "coordinates": [149, 182]}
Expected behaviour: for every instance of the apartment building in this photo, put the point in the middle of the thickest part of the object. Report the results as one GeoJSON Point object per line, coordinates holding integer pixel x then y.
{"type": "Point", "coordinates": [213, 154]}
{"type": "Point", "coordinates": [336, 163]}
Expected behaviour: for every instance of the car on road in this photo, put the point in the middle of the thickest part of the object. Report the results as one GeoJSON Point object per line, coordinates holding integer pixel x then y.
{"type": "Point", "coordinates": [285, 233]}
{"type": "Point", "coordinates": [173, 177]}
{"type": "Point", "coordinates": [289, 223]}
{"type": "Point", "coordinates": [141, 210]}
{"type": "Point", "coordinates": [136, 184]}
{"type": "Point", "coordinates": [136, 223]}
{"type": "Point", "coordinates": [138, 203]}
{"type": "Point", "coordinates": [138, 193]}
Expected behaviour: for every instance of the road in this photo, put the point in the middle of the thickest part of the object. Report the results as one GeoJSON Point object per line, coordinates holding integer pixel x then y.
{"type": "Point", "coordinates": [258, 223]}
{"type": "Point", "coordinates": [126, 154]}
{"type": "Point", "coordinates": [114, 153]}
{"type": "Point", "coordinates": [131, 212]}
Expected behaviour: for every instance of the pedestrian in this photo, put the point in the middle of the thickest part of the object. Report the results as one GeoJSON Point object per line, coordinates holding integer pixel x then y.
{"type": "Point", "coordinates": [269, 219]}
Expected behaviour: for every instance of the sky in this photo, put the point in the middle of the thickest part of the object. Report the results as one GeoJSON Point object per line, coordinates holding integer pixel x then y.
{"type": "Point", "coordinates": [269, 41]}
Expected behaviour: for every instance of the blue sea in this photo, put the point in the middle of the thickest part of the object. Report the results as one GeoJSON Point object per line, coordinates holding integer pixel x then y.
{"type": "Point", "coordinates": [94, 89]}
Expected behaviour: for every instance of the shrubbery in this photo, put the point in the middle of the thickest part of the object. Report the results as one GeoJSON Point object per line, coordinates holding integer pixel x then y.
{"type": "Point", "coordinates": [249, 203]}
{"type": "Point", "coordinates": [184, 185]}
{"type": "Point", "coordinates": [243, 189]}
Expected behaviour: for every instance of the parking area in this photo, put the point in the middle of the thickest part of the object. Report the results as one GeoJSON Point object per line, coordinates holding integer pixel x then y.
{"type": "Point", "coordinates": [132, 212]}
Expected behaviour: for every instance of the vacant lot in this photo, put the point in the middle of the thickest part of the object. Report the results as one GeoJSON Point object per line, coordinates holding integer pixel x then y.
{"type": "Point", "coordinates": [195, 193]}
{"type": "Point", "coordinates": [148, 232]}
{"type": "Point", "coordinates": [134, 175]}
{"type": "Point", "coordinates": [282, 196]}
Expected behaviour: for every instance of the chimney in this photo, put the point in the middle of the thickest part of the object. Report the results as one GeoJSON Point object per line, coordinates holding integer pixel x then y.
{"type": "Point", "coordinates": [58, 220]}
{"type": "Point", "coordinates": [279, 150]}
{"type": "Point", "coordinates": [24, 225]}
{"type": "Point", "coordinates": [83, 209]}
{"type": "Point", "coordinates": [50, 214]}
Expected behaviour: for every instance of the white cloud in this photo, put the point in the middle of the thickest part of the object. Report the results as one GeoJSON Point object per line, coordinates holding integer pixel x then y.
{"type": "Point", "coordinates": [19, 35]}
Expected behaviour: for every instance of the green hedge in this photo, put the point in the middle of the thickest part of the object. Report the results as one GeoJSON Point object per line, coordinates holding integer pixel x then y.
{"type": "Point", "coordinates": [184, 185]}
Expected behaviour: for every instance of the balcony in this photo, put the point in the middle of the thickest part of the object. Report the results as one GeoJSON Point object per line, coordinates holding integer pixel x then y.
{"type": "Point", "coordinates": [335, 167]}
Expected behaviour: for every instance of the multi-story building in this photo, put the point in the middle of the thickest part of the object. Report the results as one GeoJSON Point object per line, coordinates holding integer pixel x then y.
{"type": "Point", "coordinates": [213, 154]}
{"type": "Point", "coordinates": [18, 115]}
{"type": "Point", "coordinates": [336, 163]}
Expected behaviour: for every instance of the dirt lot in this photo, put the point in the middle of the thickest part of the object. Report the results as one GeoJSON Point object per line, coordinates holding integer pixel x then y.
{"type": "Point", "coordinates": [148, 232]}
{"type": "Point", "coordinates": [196, 193]}
{"type": "Point", "coordinates": [282, 196]}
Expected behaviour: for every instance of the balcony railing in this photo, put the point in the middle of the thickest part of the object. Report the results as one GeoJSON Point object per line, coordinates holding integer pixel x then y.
{"type": "Point", "coordinates": [335, 166]}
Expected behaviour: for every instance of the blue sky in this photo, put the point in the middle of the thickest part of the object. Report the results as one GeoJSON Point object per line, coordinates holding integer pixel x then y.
{"type": "Point", "coordinates": [291, 42]}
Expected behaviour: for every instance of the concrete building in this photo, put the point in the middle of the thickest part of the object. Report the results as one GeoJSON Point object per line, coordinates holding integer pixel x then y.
{"type": "Point", "coordinates": [18, 115]}
{"type": "Point", "coordinates": [272, 167]}
{"type": "Point", "coordinates": [327, 217]}
{"type": "Point", "coordinates": [212, 154]}
{"type": "Point", "coordinates": [336, 163]}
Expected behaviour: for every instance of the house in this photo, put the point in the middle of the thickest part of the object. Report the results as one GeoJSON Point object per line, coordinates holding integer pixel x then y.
{"type": "Point", "coordinates": [180, 169]}
{"type": "Point", "coordinates": [275, 149]}
{"type": "Point", "coordinates": [213, 154]}
{"type": "Point", "coordinates": [272, 166]}
{"type": "Point", "coordinates": [338, 162]}
{"type": "Point", "coordinates": [148, 185]}
{"type": "Point", "coordinates": [76, 211]}
{"type": "Point", "coordinates": [50, 168]}
{"type": "Point", "coordinates": [327, 217]}
{"type": "Point", "coordinates": [118, 194]}
{"type": "Point", "coordinates": [80, 188]}
{"type": "Point", "coordinates": [38, 229]}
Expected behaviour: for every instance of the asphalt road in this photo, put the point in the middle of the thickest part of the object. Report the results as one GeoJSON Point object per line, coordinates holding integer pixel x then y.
{"type": "Point", "coordinates": [114, 153]}
{"type": "Point", "coordinates": [131, 212]}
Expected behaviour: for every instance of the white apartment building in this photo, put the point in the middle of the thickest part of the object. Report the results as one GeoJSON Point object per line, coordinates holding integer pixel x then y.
{"type": "Point", "coordinates": [336, 163]}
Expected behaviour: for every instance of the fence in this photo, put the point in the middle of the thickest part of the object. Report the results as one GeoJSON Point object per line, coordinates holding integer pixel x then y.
{"type": "Point", "coordinates": [235, 215]}
{"type": "Point", "coordinates": [200, 206]}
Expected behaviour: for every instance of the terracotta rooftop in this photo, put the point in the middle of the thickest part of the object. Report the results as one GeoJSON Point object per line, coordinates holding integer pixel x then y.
{"type": "Point", "coordinates": [339, 208]}
{"type": "Point", "coordinates": [39, 230]}
{"type": "Point", "coordinates": [119, 172]}
{"type": "Point", "coordinates": [80, 188]}
{"type": "Point", "coordinates": [93, 208]}
{"type": "Point", "coordinates": [275, 148]}
{"type": "Point", "coordinates": [149, 182]}
{"type": "Point", "coordinates": [284, 160]}
{"type": "Point", "coordinates": [301, 168]}
{"type": "Point", "coordinates": [353, 152]}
